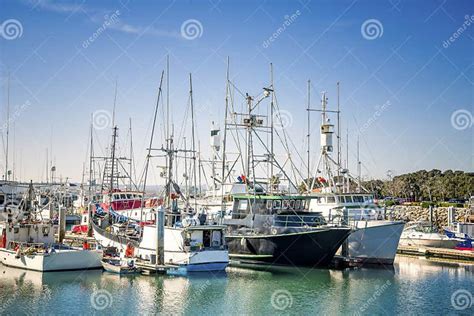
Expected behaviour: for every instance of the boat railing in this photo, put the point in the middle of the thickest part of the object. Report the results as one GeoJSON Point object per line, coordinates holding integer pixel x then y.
{"type": "Point", "coordinates": [297, 221]}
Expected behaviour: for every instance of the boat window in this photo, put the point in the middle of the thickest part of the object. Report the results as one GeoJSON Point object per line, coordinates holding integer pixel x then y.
{"type": "Point", "coordinates": [331, 200]}
{"type": "Point", "coordinates": [298, 204]}
{"type": "Point", "coordinates": [269, 204]}
{"type": "Point", "coordinates": [277, 204]}
{"type": "Point", "coordinates": [286, 204]}
{"type": "Point", "coordinates": [129, 196]}
{"type": "Point", "coordinates": [45, 231]}
{"type": "Point", "coordinates": [292, 204]}
{"type": "Point", "coordinates": [243, 205]}
{"type": "Point", "coordinates": [322, 200]}
{"type": "Point", "coordinates": [348, 199]}
{"type": "Point", "coordinates": [2, 198]}
{"type": "Point", "coordinates": [358, 199]}
{"type": "Point", "coordinates": [123, 196]}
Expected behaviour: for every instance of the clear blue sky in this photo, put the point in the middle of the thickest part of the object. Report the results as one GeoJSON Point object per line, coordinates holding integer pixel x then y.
{"type": "Point", "coordinates": [63, 79]}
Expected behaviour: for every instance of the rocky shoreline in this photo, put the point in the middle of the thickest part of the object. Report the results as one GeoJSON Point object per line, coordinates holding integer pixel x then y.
{"type": "Point", "coordinates": [417, 213]}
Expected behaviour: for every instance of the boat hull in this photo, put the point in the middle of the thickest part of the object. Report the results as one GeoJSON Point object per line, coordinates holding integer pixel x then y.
{"type": "Point", "coordinates": [62, 260]}
{"type": "Point", "coordinates": [375, 242]}
{"type": "Point", "coordinates": [200, 261]}
{"type": "Point", "coordinates": [434, 243]}
{"type": "Point", "coordinates": [309, 248]}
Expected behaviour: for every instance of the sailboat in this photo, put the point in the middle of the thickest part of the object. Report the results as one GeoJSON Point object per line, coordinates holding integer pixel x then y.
{"type": "Point", "coordinates": [374, 239]}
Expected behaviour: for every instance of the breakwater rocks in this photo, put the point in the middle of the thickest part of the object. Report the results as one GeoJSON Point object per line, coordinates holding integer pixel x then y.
{"type": "Point", "coordinates": [417, 213]}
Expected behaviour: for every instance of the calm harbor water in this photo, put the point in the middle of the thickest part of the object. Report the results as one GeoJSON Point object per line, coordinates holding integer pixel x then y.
{"type": "Point", "coordinates": [413, 286]}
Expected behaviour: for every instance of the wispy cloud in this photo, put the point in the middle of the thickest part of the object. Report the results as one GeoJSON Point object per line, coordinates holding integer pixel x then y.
{"type": "Point", "coordinates": [53, 6]}
{"type": "Point", "coordinates": [97, 16]}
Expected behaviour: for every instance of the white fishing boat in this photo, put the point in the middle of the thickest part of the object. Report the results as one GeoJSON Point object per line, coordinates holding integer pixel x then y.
{"type": "Point", "coordinates": [186, 244]}
{"type": "Point", "coordinates": [424, 234]}
{"type": "Point", "coordinates": [29, 243]}
{"type": "Point", "coordinates": [374, 240]}
{"type": "Point", "coordinates": [175, 236]}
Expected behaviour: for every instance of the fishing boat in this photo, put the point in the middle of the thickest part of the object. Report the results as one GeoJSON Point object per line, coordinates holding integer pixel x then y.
{"type": "Point", "coordinates": [185, 242]}
{"type": "Point", "coordinates": [277, 229]}
{"type": "Point", "coordinates": [424, 234]}
{"type": "Point", "coordinates": [172, 235]}
{"type": "Point", "coordinates": [373, 240]}
{"type": "Point", "coordinates": [29, 243]}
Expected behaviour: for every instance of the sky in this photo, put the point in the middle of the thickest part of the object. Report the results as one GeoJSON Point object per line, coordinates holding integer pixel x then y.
{"type": "Point", "coordinates": [405, 70]}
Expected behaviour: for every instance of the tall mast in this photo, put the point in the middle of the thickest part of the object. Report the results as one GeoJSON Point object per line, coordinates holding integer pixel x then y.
{"type": "Point", "coordinates": [8, 127]}
{"type": "Point", "coordinates": [147, 163]}
{"type": "Point", "coordinates": [308, 135]}
{"type": "Point", "coordinates": [114, 141]}
{"type": "Point", "coordinates": [115, 103]}
{"type": "Point", "coordinates": [167, 96]}
{"type": "Point", "coordinates": [358, 166]}
{"type": "Point", "coordinates": [225, 134]}
{"type": "Point", "coordinates": [271, 128]}
{"type": "Point", "coordinates": [91, 155]}
{"type": "Point", "coordinates": [131, 152]}
{"type": "Point", "coordinates": [338, 134]}
{"type": "Point", "coordinates": [193, 145]}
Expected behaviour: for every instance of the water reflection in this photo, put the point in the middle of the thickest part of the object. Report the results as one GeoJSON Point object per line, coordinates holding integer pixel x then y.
{"type": "Point", "coordinates": [241, 290]}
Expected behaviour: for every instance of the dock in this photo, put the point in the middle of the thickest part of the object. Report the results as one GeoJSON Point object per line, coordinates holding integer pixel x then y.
{"type": "Point", "coordinates": [452, 254]}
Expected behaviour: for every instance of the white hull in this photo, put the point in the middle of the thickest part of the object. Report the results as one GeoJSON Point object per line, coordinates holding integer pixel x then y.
{"type": "Point", "coordinates": [435, 243]}
{"type": "Point", "coordinates": [207, 260]}
{"type": "Point", "coordinates": [375, 242]}
{"type": "Point", "coordinates": [60, 260]}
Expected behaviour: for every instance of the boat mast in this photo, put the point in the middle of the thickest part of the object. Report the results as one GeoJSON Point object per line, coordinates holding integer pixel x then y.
{"type": "Point", "coordinates": [91, 155]}
{"type": "Point", "coordinates": [308, 136]}
{"type": "Point", "coordinates": [147, 163]}
{"type": "Point", "coordinates": [272, 104]}
{"type": "Point", "coordinates": [131, 153]}
{"type": "Point", "coordinates": [8, 128]}
{"type": "Point", "coordinates": [114, 141]}
{"type": "Point", "coordinates": [225, 135]}
{"type": "Point", "coordinates": [193, 144]}
{"type": "Point", "coordinates": [338, 134]}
